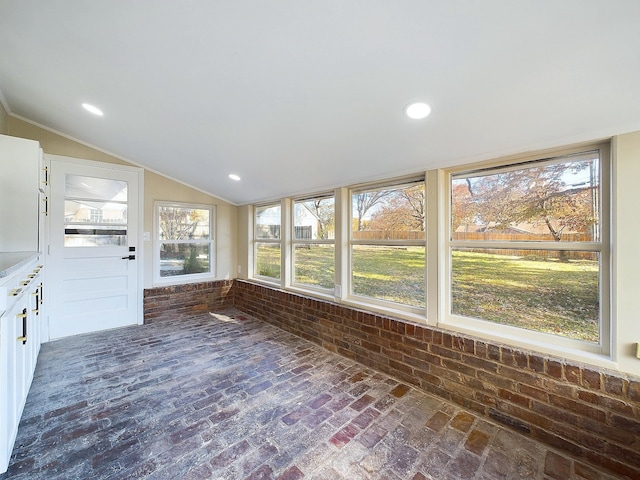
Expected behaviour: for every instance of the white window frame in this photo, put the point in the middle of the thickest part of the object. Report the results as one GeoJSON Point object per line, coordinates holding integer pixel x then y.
{"type": "Point", "coordinates": [268, 241]}
{"type": "Point", "coordinates": [297, 242]}
{"type": "Point", "coordinates": [211, 242]}
{"type": "Point", "coordinates": [543, 342]}
{"type": "Point", "coordinates": [402, 310]}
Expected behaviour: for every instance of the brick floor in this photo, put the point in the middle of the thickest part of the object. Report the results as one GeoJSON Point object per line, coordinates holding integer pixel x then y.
{"type": "Point", "coordinates": [225, 396]}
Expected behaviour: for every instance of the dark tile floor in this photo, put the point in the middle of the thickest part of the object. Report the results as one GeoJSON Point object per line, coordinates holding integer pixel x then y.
{"type": "Point", "coordinates": [226, 396]}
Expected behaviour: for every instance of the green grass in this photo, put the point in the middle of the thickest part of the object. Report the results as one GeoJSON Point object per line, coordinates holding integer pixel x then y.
{"type": "Point", "coordinates": [395, 274]}
{"type": "Point", "coordinates": [534, 293]}
{"type": "Point", "coordinates": [543, 295]}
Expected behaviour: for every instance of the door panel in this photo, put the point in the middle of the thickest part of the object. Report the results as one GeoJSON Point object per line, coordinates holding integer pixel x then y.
{"type": "Point", "coordinates": [93, 254]}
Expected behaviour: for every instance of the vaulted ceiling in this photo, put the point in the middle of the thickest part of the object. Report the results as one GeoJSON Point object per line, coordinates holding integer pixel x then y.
{"type": "Point", "coordinates": [299, 96]}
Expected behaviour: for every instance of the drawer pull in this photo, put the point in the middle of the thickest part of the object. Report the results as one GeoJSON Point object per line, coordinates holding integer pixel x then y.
{"type": "Point", "coordinates": [15, 292]}
{"type": "Point", "coordinates": [23, 337]}
{"type": "Point", "coordinates": [24, 283]}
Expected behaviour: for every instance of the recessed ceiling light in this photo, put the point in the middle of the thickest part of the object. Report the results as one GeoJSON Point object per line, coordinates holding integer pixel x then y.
{"type": "Point", "coordinates": [92, 109]}
{"type": "Point", "coordinates": [417, 111]}
{"type": "Point", "coordinates": [233, 176]}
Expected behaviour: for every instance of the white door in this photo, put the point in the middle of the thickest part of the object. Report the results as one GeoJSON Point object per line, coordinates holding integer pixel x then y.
{"type": "Point", "coordinates": [93, 262]}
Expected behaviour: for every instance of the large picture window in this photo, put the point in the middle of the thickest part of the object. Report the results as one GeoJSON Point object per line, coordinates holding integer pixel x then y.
{"type": "Point", "coordinates": [184, 242]}
{"type": "Point", "coordinates": [388, 243]}
{"type": "Point", "coordinates": [313, 242]}
{"type": "Point", "coordinates": [527, 246]}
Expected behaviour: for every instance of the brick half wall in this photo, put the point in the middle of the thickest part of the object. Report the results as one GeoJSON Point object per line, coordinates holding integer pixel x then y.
{"type": "Point", "coordinates": [188, 300]}
{"type": "Point", "coordinates": [590, 413]}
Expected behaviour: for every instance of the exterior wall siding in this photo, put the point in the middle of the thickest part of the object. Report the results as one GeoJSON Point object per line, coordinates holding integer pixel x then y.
{"type": "Point", "coordinates": [591, 413]}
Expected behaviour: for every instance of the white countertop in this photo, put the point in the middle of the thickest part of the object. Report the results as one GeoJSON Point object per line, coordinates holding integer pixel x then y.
{"type": "Point", "coordinates": [12, 261]}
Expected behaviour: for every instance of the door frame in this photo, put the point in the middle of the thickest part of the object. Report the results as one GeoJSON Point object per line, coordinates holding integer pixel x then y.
{"type": "Point", "coordinates": [139, 172]}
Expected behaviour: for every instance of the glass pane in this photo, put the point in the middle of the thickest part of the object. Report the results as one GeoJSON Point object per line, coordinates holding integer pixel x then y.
{"type": "Point", "coordinates": [314, 219]}
{"type": "Point", "coordinates": [76, 211]}
{"type": "Point", "coordinates": [94, 236]}
{"type": "Point", "coordinates": [183, 259]}
{"type": "Point", "coordinates": [393, 213]}
{"type": "Point", "coordinates": [95, 212]}
{"type": "Point", "coordinates": [268, 260]}
{"type": "Point", "coordinates": [184, 223]}
{"type": "Point", "coordinates": [89, 188]}
{"type": "Point", "coordinates": [554, 292]}
{"type": "Point", "coordinates": [552, 202]}
{"type": "Point", "coordinates": [314, 265]}
{"type": "Point", "coordinates": [395, 274]}
{"type": "Point", "coordinates": [268, 222]}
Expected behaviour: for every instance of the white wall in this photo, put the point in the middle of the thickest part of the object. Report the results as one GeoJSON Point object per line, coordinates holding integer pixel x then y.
{"type": "Point", "coordinates": [626, 249]}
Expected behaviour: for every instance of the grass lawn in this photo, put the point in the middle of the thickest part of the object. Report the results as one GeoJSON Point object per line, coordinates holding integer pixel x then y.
{"type": "Point", "coordinates": [544, 295]}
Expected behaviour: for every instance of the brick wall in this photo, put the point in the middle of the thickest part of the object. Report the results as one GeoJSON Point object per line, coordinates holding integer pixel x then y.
{"type": "Point", "coordinates": [591, 413]}
{"type": "Point", "coordinates": [178, 301]}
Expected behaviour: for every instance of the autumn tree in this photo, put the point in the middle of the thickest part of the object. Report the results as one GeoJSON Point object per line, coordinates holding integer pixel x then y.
{"type": "Point", "coordinates": [560, 196]}
{"type": "Point", "coordinates": [365, 201]}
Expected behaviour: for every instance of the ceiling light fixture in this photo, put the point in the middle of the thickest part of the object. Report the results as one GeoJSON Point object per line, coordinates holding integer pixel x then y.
{"type": "Point", "coordinates": [235, 177]}
{"type": "Point", "coordinates": [92, 109]}
{"type": "Point", "coordinates": [417, 111]}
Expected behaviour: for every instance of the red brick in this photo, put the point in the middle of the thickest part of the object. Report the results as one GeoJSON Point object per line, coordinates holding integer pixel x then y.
{"type": "Point", "coordinates": [515, 398]}
{"type": "Point", "coordinates": [591, 379]}
{"type": "Point", "coordinates": [614, 385]}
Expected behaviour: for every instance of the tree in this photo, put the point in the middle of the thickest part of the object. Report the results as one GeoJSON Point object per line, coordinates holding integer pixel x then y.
{"type": "Point", "coordinates": [324, 211]}
{"type": "Point", "coordinates": [365, 201]}
{"type": "Point", "coordinates": [404, 210]}
{"type": "Point", "coordinates": [461, 208]}
{"type": "Point", "coordinates": [539, 195]}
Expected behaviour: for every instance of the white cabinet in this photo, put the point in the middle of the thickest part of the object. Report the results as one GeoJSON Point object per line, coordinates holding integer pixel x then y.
{"type": "Point", "coordinates": [20, 337]}
{"type": "Point", "coordinates": [20, 177]}
{"type": "Point", "coordinates": [23, 191]}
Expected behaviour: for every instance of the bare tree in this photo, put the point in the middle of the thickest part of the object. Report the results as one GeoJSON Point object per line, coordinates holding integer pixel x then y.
{"type": "Point", "coordinates": [365, 201]}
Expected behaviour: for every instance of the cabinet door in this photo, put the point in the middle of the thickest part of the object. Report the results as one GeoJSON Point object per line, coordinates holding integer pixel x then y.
{"type": "Point", "coordinates": [13, 377]}
{"type": "Point", "coordinates": [19, 163]}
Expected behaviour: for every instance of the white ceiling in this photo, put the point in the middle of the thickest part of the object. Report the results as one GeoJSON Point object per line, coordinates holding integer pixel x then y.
{"type": "Point", "coordinates": [298, 96]}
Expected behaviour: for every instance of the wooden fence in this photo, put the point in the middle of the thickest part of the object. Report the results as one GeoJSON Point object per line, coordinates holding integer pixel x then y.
{"type": "Point", "coordinates": [495, 237]}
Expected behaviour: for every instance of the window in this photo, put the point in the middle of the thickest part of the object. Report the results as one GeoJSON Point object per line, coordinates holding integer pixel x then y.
{"type": "Point", "coordinates": [528, 247]}
{"type": "Point", "coordinates": [388, 244]}
{"type": "Point", "coordinates": [517, 252]}
{"type": "Point", "coordinates": [313, 242]}
{"type": "Point", "coordinates": [184, 242]}
{"type": "Point", "coordinates": [268, 221]}
{"type": "Point", "coordinates": [95, 212]}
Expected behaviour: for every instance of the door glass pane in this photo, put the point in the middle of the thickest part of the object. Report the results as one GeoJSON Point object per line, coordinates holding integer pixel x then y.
{"type": "Point", "coordinates": [95, 212]}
